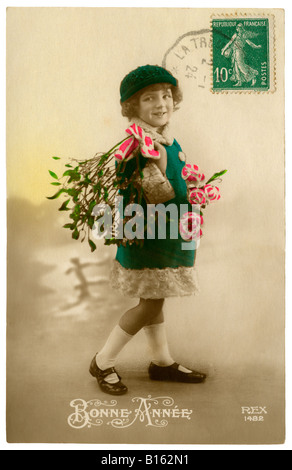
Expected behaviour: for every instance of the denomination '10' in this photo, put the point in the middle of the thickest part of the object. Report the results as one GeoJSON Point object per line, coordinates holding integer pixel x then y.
{"type": "Point", "coordinates": [221, 74]}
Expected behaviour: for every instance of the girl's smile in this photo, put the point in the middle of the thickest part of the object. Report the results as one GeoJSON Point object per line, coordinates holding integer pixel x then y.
{"type": "Point", "coordinates": [156, 107]}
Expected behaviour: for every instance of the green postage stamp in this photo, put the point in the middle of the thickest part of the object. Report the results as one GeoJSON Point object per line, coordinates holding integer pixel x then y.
{"type": "Point", "coordinates": [241, 54]}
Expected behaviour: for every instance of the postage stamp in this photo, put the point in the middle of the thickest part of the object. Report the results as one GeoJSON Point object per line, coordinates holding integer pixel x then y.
{"type": "Point", "coordinates": [242, 54]}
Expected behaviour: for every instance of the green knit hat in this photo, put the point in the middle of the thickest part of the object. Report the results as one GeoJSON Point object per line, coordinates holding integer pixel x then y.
{"type": "Point", "coordinates": [143, 77]}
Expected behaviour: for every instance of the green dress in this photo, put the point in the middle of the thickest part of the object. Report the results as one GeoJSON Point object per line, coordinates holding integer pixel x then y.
{"type": "Point", "coordinates": [161, 267]}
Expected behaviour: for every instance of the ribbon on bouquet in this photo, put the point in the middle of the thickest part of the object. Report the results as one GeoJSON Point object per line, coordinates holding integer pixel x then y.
{"type": "Point", "coordinates": [137, 137]}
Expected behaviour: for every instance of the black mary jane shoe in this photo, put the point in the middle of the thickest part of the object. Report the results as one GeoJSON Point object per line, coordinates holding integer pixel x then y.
{"type": "Point", "coordinates": [173, 374]}
{"type": "Point", "coordinates": [117, 388]}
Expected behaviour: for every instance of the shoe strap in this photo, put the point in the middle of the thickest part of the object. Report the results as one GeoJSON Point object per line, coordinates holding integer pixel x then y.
{"type": "Point", "coordinates": [106, 372]}
{"type": "Point", "coordinates": [175, 365]}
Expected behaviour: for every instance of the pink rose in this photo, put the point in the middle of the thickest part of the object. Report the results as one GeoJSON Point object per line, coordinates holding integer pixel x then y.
{"type": "Point", "coordinates": [190, 226]}
{"type": "Point", "coordinates": [192, 174]}
{"type": "Point", "coordinates": [212, 193]}
{"type": "Point", "coordinates": [197, 196]}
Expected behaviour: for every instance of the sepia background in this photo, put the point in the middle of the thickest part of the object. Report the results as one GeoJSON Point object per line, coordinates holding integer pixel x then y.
{"type": "Point", "coordinates": [64, 67]}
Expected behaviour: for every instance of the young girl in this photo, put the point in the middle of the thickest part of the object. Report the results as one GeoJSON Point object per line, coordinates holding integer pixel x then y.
{"type": "Point", "coordinates": [161, 268]}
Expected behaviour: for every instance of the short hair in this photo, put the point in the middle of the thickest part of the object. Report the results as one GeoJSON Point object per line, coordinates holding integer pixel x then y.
{"type": "Point", "coordinates": [130, 106]}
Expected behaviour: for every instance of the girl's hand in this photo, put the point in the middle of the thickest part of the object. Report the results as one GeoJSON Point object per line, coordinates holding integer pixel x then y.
{"type": "Point", "coordinates": [162, 162]}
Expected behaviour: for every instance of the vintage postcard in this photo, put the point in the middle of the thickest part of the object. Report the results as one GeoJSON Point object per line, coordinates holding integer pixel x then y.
{"type": "Point", "coordinates": [146, 226]}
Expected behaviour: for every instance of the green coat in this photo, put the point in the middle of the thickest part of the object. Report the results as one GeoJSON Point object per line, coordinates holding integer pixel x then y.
{"type": "Point", "coordinates": [160, 253]}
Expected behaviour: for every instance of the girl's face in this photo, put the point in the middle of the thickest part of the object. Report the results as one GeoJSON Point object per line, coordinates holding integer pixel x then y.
{"type": "Point", "coordinates": [156, 106]}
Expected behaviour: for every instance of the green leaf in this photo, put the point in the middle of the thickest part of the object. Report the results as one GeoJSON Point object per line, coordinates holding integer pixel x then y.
{"type": "Point", "coordinates": [68, 172]}
{"type": "Point", "coordinates": [56, 184]}
{"type": "Point", "coordinates": [91, 206]}
{"type": "Point", "coordinates": [103, 158]}
{"type": "Point", "coordinates": [92, 245]}
{"type": "Point", "coordinates": [53, 174]}
{"type": "Point", "coordinates": [75, 234]}
{"type": "Point", "coordinates": [90, 222]}
{"type": "Point", "coordinates": [74, 177]}
{"type": "Point", "coordinates": [76, 213]}
{"type": "Point", "coordinates": [216, 175]}
{"type": "Point", "coordinates": [64, 206]}
{"type": "Point", "coordinates": [71, 173]}
{"type": "Point", "coordinates": [87, 179]}
{"type": "Point", "coordinates": [55, 196]}
{"type": "Point", "coordinates": [70, 226]}
{"type": "Point", "coordinates": [97, 188]}
{"type": "Point", "coordinates": [56, 158]}
{"type": "Point", "coordinates": [74, 193]}
{"type": "Point", "coordinates": [69, 166]}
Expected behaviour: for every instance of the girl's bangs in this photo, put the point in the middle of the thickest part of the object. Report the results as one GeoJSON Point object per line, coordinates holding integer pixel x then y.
{"type": "Point", "coordinates": [157, 86]}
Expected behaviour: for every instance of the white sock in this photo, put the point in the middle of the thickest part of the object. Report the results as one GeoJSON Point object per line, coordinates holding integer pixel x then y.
{"type": "Point", "coordinates": [106, 358]}
{"type": "Point", "coordinates": [157, 341]}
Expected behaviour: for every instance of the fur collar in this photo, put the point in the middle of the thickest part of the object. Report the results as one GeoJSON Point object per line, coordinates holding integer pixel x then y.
{"type": "Point", "coordinates": [164, 137]}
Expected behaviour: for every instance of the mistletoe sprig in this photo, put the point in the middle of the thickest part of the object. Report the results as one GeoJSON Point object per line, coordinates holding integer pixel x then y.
{"type": "Point", "coordinates": [86, 183]}
{"type": "Point", "coordinates": [91, 182]}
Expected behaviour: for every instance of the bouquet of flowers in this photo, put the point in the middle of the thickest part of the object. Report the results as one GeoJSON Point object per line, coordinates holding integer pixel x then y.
{"type": "Point", "coordinates": [200, 194]}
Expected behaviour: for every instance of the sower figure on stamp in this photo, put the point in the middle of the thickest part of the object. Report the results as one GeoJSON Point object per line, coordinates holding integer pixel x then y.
{"type": "Point", "coordinates": [242, 72]}
{"type": "Point", "coordinates": [161, 268]}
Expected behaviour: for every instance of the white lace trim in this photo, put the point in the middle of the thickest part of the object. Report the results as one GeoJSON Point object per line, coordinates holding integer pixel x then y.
{"type": "Point", "coordinates": [154, 283]}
